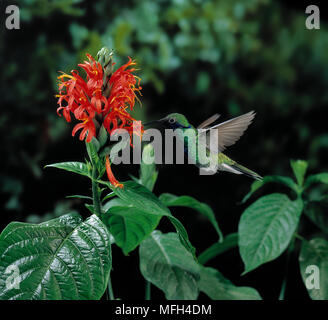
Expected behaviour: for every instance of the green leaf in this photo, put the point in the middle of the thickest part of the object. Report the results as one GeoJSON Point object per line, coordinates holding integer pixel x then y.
{"type": "Point", "coordinates": [316, 178]}
{"type": "Point", "coordinates": [217, 287]}
{"type": "Point", "coordinates": [189, 202]}
{"type": "Point", "coordinates": [108, 196]}
{"type": "Point", "coordinates": [229, 242]}
{"type": "Point", "coordinates": [313, 261]}
{"type": "Point", "coordinates": [266, 228]}
{"type": "Point", "coordinates": [78, 196]}
{"type": "Point", "coordinates": [138, 196]}
{"type": "Point", "coordinates": [169, 266]}
{"type": "Point", "coordinates": [73, 166]}
{"type": "Point", "coordinates": [299, 168]}
{"type": "Point", "coordinates": [148, 172]}
{"type": "Point", "coordinates": [277, 179]}
{"type": "Point", "coordinates": [64, 258]}
{"type": "Point", "coordinates": [129, 226]}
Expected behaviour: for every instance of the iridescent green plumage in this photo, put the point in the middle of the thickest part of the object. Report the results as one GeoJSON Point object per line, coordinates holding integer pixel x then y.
{"type": "Point", "coordinates": [227, 133]}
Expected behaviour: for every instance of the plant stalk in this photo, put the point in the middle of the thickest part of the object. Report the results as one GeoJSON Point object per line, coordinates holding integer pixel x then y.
{"type": "Point", "coordinates": [97, 210]}
{"type": "Point", "coordinates": [148, 290]}
{"type": "Point", "coordinates": [284, 282]}
{"type": "Point", "coordinates": [110, 289]}
{"type": "Point", "coordinates": [95, 192]}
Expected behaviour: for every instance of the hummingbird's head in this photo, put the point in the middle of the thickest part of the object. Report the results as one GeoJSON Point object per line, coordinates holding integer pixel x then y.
{"type": "Point", "coordinates": [174, 121]}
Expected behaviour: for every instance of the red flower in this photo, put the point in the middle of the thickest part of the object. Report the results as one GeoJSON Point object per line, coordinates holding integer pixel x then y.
{"type": "Point", "coordinates": [110, 175]}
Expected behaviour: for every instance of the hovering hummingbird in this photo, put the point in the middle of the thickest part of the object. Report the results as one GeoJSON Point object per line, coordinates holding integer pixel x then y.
{"type": "Point", "coordinates": [228, 133]}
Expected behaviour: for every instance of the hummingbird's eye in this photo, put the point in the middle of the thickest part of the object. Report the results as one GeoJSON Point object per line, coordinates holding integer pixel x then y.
{"type": "Point", "coordinates": [171, 120]}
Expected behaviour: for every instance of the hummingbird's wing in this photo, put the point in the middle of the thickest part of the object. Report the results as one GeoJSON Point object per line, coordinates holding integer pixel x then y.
{"type": "Point", "coordinates": [229, 132]}
{"type": "Point", "coordinates": [208, 121]}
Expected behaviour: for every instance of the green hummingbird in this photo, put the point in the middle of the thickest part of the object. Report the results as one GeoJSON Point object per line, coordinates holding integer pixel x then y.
{"type": "Point", "coordinates": [227, 133]}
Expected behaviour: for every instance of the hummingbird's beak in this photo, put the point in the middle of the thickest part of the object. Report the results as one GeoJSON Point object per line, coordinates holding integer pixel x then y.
{"type": "Point", "coordinates": [151, 123]}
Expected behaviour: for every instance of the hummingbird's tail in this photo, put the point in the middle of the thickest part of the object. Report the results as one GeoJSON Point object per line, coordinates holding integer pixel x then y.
{"type": "Point", "coordinates": [239, 169]}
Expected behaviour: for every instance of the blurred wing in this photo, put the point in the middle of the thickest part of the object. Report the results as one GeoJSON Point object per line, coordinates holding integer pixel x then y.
{"type": "Point", "coordinates": [208, 121]}
{"type": "Point", "coordinates": [229, 132]}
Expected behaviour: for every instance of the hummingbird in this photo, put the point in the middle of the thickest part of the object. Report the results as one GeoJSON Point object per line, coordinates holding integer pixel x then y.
{"type": "Point", "coordinates": [227, 133]}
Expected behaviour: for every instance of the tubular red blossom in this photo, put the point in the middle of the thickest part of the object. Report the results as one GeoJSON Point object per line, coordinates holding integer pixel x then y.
{"type": "Point", "coordinates": [87, 126]}
{"type": "Point", "coordinates": [110, 175]}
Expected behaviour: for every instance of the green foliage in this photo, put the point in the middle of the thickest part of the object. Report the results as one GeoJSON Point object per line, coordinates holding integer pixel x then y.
{"type": "Point", "coordinates": [129, 226]}
{"type": "Point", "coordinates": [76, 167]}
{"type": "Point", "coordinates": [269, 225]}
{"type": "Point", "coordinates": [171, 200]}
{"type": "Point", "coordinates": [316, 178]}
{"type": "Point", "coordinates": [53, 259]}
{"type": "Point", "coordinates": [287, 181]}
{"type": "Point", "coordinates": [299, 168]}
{"type": "Point", "coordinates": [167, 264]}
{"type": "Point", "coordinates": [217, 287]}
{"type": "Point", "coordinates": [230, 241]}
{"type": "Point", "coordinates": [266, 228]}
{"type": "Point", "coordinates": [137, 196]}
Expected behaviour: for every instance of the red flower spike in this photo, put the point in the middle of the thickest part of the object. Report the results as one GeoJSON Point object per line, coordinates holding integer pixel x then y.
{"type": "Point", "coordinates": [85, 98]}
{"type": "Point", "coordinates": [110, 175]}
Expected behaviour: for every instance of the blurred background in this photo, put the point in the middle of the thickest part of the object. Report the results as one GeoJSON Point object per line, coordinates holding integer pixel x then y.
{"type": "Point", "coordinates": [195, 57]}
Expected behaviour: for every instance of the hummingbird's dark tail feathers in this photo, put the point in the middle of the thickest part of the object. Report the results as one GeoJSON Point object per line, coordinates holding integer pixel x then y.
{"type": "Point", "coordinates": [247, 172]}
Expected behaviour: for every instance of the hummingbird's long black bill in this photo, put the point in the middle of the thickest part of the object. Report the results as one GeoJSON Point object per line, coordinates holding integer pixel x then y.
{"type": "Point", "coordinates": [154, 122]}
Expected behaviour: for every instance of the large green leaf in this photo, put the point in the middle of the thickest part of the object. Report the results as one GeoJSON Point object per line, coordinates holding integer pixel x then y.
{"type": "Point", "coordinates": [129, 226]}
{"type": "Point", "coordinates": [266, 228]}
{"type": "Point", "coordinates": [217, 287]}
{"type": "Point", "coordinates": [148, 172]}
{"type": "Point", "coordinates": [73, 166]}
{"type": "Point", "coordinates": [64, 258]}
{"type": "Point", "coordinates": [189, 202]}
{"type": "Point", "coordinates": [229, 242]}
{"type": "Point", "coordinates": [168, 265]}
{"type": "Point", "coordinates": [299, 168]}
{"type": "Point", "coordinates": [314, 267]}
{"type": "Point", "coordinates": [316, 178]}
{"type": "Point", "coordinates": [139, 197]}
{"type": "Point", "coordinates": [286, 181]}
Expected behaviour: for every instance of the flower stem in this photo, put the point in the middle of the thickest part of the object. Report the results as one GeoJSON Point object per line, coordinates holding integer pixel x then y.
{"type": "Point", "coordinates": [95, 192]}
{"type": "Point", "coordinates": [148, 290]}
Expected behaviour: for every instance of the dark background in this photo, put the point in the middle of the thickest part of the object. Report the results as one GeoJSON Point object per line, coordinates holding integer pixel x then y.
{"type": "Point", "coordinates": [195, 57]}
